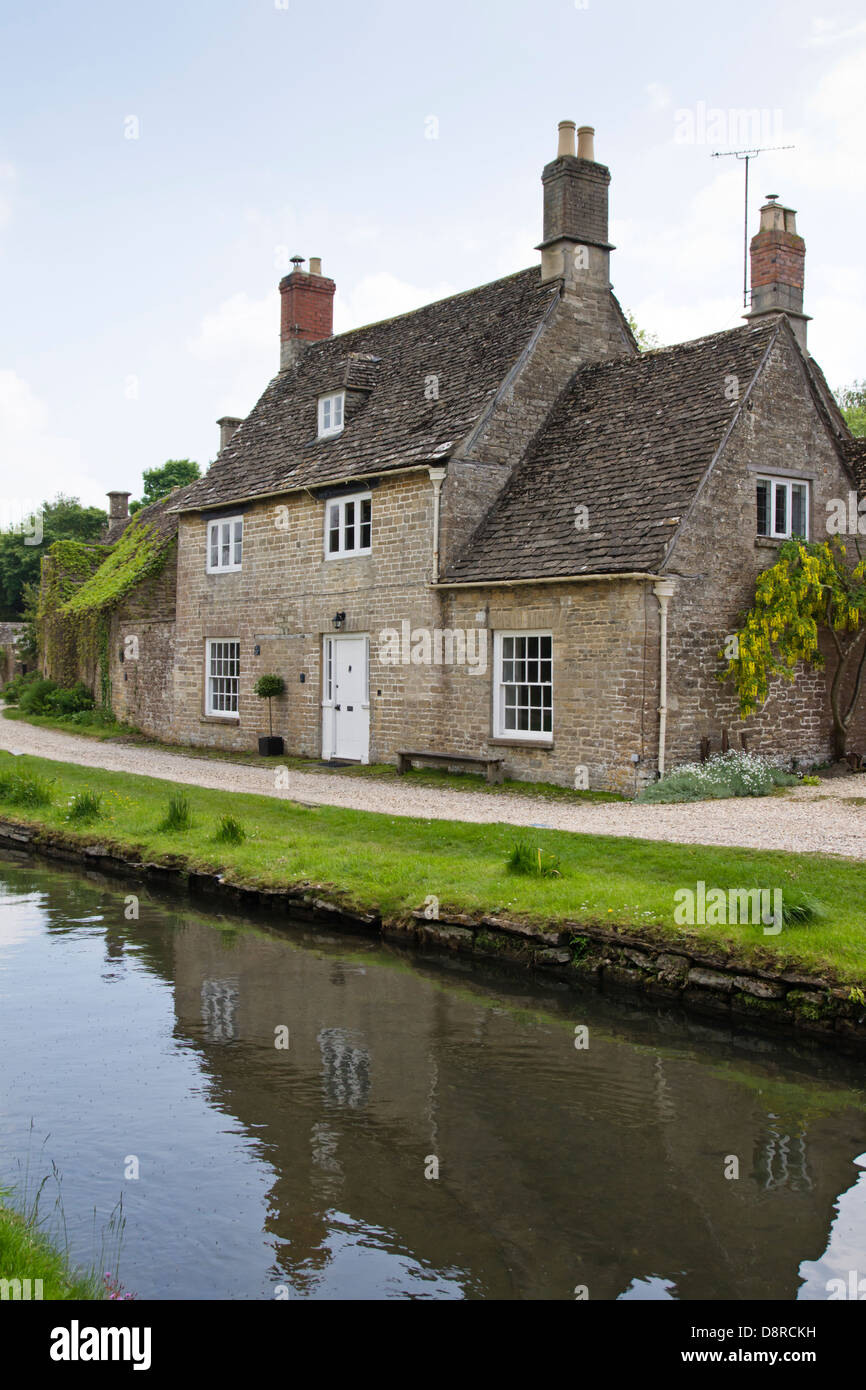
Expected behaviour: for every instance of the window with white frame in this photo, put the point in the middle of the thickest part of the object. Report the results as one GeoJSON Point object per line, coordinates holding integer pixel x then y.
{"type": "Point", "coordinates": [225, 544]}
{"type": "Point", "coordinates": [783, 508]}
{"type": "Point", "coordinates": [349, 525]}
{"type": "Point", "coordinates": [523, 694]}
{"type": "Point", "coordinates": [331, 411]}
{"type": "Point", "coordinates": [223, 670]}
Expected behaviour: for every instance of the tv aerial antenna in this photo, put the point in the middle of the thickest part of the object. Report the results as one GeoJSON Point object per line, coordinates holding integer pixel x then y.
{"type": "Point", "coordinates": [746, 155]}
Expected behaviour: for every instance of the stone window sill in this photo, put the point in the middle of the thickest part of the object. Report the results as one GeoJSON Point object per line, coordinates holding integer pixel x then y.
{"type": "Point", "coordinates": [231, 719]}
{"type": "Point", "coordinates": [521, 743]}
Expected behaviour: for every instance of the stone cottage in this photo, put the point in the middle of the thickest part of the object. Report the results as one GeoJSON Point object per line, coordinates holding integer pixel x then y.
{"type": "Point", "coordinates": [493, 527]}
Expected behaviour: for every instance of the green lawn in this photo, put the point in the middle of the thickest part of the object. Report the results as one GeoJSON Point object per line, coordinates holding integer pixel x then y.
{"type": "Point", "coordinates": [27, 1253]}
{"type": "Point", "coordinates": [393, 863]}
{"type": "Point", "coordinates": [382, 772]}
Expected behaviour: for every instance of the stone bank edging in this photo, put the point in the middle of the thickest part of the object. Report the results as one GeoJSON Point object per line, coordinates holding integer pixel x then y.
{"type": "Point", "coordinates": [705, 983]}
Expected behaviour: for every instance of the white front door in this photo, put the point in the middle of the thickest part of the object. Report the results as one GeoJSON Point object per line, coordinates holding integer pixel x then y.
{"type": "Point", "coordinates": [345, 699]}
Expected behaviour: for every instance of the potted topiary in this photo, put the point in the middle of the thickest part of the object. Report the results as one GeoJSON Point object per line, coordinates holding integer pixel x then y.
{"type": "Point", "coordinates": [266, 687]}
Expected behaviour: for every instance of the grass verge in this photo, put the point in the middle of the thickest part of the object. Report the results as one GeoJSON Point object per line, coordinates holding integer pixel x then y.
{"type": "Point", "coordinates": [379, 772]}
{"type": "Point", "coordinates": [26, 1253]}
{"type": "Point", "coordinates": [393, 863]}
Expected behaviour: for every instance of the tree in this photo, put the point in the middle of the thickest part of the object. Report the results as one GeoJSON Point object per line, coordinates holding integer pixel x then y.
{"type": "Point", "coordinates": [811, 588]}
{"type": "Point", "coordinates": [852, 403]}
{"type": "Point", "coordinates": [28, 640]}
{"type": "Point", "coordinates": [266, 687]}
{"type": "Point", "coordinates": [158, 482]}
{"type": "Point", "coordinates": [22, 546]}
{"type": "Point", "coordinates": [647, 342]}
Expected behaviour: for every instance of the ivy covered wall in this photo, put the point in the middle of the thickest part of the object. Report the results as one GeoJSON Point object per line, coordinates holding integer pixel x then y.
{"type": "Point", "coordinates": [83, 593]}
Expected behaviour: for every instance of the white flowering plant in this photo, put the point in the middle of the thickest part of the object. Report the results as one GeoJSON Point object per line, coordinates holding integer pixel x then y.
{"type": "Point", "coordinates": [723, 775]}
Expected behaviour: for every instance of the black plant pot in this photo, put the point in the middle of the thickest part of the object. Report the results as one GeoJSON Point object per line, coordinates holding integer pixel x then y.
{"type": "Point", "coordinates": [270, 745]}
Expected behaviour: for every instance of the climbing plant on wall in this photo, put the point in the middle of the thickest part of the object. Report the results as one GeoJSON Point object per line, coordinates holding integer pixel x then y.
{"type": "Point", "coordinates": [812, 588]}
{"type": "Point", "coordinates": [66, 566]}
{"type": "Point", "coordinates": [81, 587]}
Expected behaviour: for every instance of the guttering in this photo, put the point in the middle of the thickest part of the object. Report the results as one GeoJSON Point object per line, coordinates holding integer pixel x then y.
{"type": "Point", "coordinates": [663, 591]}
{"type": "Point", "coordinates": [437, 477]}
{"type": "Point", "coordinates": [545, 579]}
{"type": "Point", "coordinates": [304, 487]}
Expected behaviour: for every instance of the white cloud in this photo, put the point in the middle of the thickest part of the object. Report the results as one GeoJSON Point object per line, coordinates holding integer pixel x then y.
{"type": "Point", "coordinates": [382, 296]}
{"type": "Point", "coordinates": [830, 149]}
{"type": "Point", "coordinates": [240, 341]}
{"type": "Point", "coordinates": [659, 95]}
{"type": "Point", "coordinates": [695, 260]}
{"type": "Point", "coordinates": [240, 338]}
{"type": "Point", "coordinates": [235, 328]}
{"type": "Point", "coordinates": [703, 245]}
{"type": "Point", "coordinates": [8, 175]}
{"type": "Point", "coordinates": [675, 321]}
{"type": "Point", "coordinates": [824, 32]}
{"type": "Point", "coordinates": [35, 462]}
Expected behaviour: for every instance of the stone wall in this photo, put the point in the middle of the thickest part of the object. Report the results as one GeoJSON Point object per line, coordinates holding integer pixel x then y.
{"type": "Point", "coordinates": [10, 663]}
{"type": "Point", "coordinates": [600, 669]}
{"type": "Point", "coordinates": [718, 558]}
{"type": "Point", "coordinates": [283, 600]}
{"type": "Point", "coordinates": [704, 981]}
{"type": "Point", "coordinates": [605, 634]}
{"type": "Point", "coordinates": [141, 653]}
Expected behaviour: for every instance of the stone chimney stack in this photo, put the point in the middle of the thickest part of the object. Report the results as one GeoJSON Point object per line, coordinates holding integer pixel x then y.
{"type": "Point", "coordinates": [778, 257]}
{"type": "Point", "coordinates": [227, 426]}
{"type": "Point", "coordinates": [575, 246]}
{"type": "Point", "coordinates": [118, 514]}
{"type": "Point", "coordinates": [306, 309]}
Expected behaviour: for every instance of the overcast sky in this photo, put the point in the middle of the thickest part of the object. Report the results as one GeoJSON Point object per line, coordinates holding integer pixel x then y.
{"type": "Point", "coordinates": [160, 161]}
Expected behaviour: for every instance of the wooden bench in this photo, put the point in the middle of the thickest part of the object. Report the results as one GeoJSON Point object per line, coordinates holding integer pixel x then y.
{"type": "Point", "coordinates": [492, 766]}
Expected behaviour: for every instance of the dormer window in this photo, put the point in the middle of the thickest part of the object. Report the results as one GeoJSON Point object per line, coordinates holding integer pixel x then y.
{"type": "Point", "coordinates": [331, 410]}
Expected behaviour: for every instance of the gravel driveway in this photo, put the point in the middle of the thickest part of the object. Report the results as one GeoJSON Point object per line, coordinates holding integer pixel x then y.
{"type": "Point", "coordinates": [829, 818]}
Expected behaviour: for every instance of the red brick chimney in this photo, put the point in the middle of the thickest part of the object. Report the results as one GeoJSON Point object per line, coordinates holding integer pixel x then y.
{"type": "Point", "coordinates": [306, 309]}
{"type": "Point", "coordinates": [778, 257]}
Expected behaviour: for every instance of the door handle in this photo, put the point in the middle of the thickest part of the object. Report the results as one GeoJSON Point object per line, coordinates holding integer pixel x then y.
{"type": "Point", "coordinates": [338, 706]}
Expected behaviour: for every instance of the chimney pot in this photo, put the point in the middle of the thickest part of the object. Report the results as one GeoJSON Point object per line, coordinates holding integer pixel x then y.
{"type": "Point", "coordinates": [118, 505]}
{"type": "Point", "coordinates": [227, 426]}
{"type": "Point", "coordinates": [586, 142]}
{"type": "Point", "coordinates": [575, 247]}
{"type": "Point", "coordinates": [306, 310]}
{"type": "Point", "coordinates": [778, 256]}
{"type": "Point", "coordinates": [566, 139]}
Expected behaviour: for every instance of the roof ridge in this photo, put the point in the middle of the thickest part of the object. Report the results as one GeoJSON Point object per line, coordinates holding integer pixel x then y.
{"type": "Point", "coordinates": [431, 304]}
{"type": "Point", "coordinates": [654, 354]}
{"type": "Point", "coordinates": [608, 442]}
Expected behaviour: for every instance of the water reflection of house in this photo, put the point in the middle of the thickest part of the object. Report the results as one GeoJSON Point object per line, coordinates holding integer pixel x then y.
{"type": "Point", "coordinates": [558, 1167]}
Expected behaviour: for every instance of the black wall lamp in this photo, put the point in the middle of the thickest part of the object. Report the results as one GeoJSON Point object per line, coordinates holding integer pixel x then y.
{"type": "Point", "coordinates": [339, 620]}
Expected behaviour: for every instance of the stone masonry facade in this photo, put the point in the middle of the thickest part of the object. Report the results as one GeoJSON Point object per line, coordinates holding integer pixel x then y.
{"type": "Point", "coordinates": [717, 558]}
{"type": "Point", "coordinates": [605, 631]}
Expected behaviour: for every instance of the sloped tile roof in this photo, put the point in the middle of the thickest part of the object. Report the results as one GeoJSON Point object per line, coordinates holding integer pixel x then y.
{"type": "Point", "coordinates": [629, 440]}
{"type": "Point", "coordinates": [161, 516]}
{"type": "Point", "coordinates": [855, 456]}
{"type": "Point", "coordinates": [468, 342]}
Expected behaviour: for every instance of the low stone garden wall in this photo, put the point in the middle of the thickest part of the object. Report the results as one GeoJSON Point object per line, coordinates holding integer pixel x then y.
{"type": "Point", "coordinates": [701, 982]}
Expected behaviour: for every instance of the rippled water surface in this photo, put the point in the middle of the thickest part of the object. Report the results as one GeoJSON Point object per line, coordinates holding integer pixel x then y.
{"type": "Point", "coordinates": [308, 1171]}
